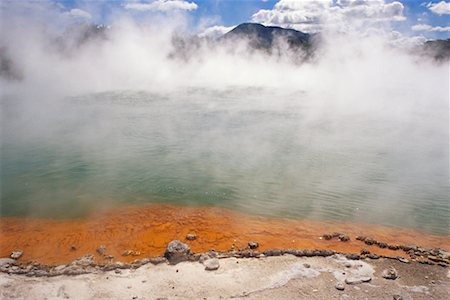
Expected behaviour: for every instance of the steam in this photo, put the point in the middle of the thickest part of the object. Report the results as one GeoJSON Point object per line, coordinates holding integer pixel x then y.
{"type": "Point", "coordinates": [357, 90]}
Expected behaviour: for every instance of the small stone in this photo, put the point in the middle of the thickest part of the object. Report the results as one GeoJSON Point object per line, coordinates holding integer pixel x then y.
{"type": "Point", "coordinates": [390, 273]}
{"type": "Point", "coordinates": [16, 254]}
{"type": "Point", "coordinates": [211, 264]}
{"type": "Point", "coordinates": [101, 250]}
{"type": "Point", "coordinates": [6, 262]}
{"type": "Point", "coordinates": [393, 247]}
{"type": "Point", "coordinates": [307, 265]}
{"type": "Point", "coordinates": [340, 286]}
{"type": "Point", "coordinates": [382, 244]}
{"type": "Point", "coordinates": [369, 241]}
{"type": "Point", "coordinates": [373, 256]}
{"type": "Point", "coordinates": [353, 256]}
{"type": "Point", "coordinates": [191, 237]}
{"type": "Point", "coordinates": [344, 238]}
{"type": "Point", "coordinates": [253, 245]}
{"type": "Point", "coordinates": [117, 271]}
{"type": "Point", "coordinates": [357, 280]}
{"type": "Point", "coordinates": [397, 297]}
{"type": "Point", "coordinates": [73, 248]}
{"type": "Point", "coordinates": [365, 252]}
{"type": "Point", "coordinates": [402, 259]}
{"type": "Point", "coordinates": [327, 236]}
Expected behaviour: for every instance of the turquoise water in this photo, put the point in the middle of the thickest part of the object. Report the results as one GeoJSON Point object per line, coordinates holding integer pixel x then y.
{"type": "Point", "coordinates": [275, 153]}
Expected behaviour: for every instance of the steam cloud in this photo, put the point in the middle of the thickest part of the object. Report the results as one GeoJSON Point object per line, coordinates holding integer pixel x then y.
{"type": "Point", "coordinates": [354, 80]}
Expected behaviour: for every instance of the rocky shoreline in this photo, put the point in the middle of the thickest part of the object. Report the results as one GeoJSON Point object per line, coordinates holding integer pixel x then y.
{"type": "Point", "coordinates": [178, 251]}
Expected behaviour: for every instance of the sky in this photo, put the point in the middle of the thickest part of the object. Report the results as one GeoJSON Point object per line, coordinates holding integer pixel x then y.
{"type": "Point", "coordinates": [410, 18]}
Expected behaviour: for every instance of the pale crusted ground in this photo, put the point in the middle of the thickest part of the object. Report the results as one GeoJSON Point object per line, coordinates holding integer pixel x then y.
{"type": "Point", "coordinates": [284, 277]}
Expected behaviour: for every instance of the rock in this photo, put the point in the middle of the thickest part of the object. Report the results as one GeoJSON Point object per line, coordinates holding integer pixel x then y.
{"type": "Point", "coordinates": [357, 280]}
{"type": "Point", "coordinates": [117, 271]}
{"type": "Point", "coordinates": [361, 238]}
{"type": "Point", "coordinates": [204, 257]}
{"type": "Point", "coordinates": [307, 265]}
{"type": "Point", "coordinates": [373, 256]}
{"type": "Point", "coordinates": [73, 248]}
{"type": "Point", "coordinates": [397, 297]}
{"type": "Point", "coordinates": [393, 247]}
{"type": "Point", "coordinates": [272, 252]}
{"type": "Point", "coordinates": [340, 286]}
{"type": "Point", "coordinates": [177, 251]}
{"type": "Point", "coordinates": [16, 254]}
{"type": "Point", "coordinates": [365, 252]}
{"type": "Point", "coordinates": [353, 256]}
{"type": "Point", "coordinates": [131, 252]}
{"type": "Point", "coordinates": [101, 250]}
{"type": "Point", "coordinates": [6, 262]}
{"type": "Point", "coordinates": [403, 260]}
{"type": "Point", "coordinates": [369, 241]}
{"type": "Point", "coordinates": [327, 236]}
{"type": "Point", "coordinates": [253, 245]}
{"type": "Point", "coordinates": [382, 244]}
{"type": "Point", "coordinates": [390, 273]}
{"type": "Point", "coordinates": [344, 238]}
{"type": "Point", "coordinates": [191, 237]}
{"type": "Point", "coordinates": [157, 260]}
{"type": "Point", "coordinates": [211, 264]}
{"type": "Point", "coordinates": [85, 260]}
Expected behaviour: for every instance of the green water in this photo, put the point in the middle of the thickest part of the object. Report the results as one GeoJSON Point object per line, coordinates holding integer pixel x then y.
{"type": "Point", "coordinates": [276, 153]}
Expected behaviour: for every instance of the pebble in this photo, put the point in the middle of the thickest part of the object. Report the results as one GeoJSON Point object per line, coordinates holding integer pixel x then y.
{"type": "Point", "coordinates": [6, 262]}
{"type": "Point", "coordinates": [253, 245]}
{"type": "Point", "coordinates": [397, 297]}
{"type": "Point", "coordinates": [402, 259]}
{"type": "Point", "coordinates": [211, 264]}
{"type": "Point", "coordinates": [191, 237]}
{"type": "Point", "coordinates": [307, 265]}
{"type": "Point", "coordinates": [357, 280]}
{"type": "Point", "coordinates": [340, 286]}
{"type": "Point", "coordinates": [16, 254]}
{"type": "Point", "coordinates": [101, 250]}
{"type": "Point", "coordinates": [390, 273]}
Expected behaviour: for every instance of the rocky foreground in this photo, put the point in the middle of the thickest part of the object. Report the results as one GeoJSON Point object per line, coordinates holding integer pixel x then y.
{"type": "Point", "coordinates": [275, 277]}
{"type": "Point", "coordinates": [271, 274]}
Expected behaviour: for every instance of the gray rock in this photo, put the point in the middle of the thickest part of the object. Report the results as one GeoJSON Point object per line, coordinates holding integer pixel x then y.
{"type": "Point", "coordinates": [177, 251]}
{"type": "Point", "coordinates": [403, 260]}
{"type": "Point", "coordinates": [16, 254]}
{"type": "Point", "coordinates": [6, 262]}
{"type": "Point", "coordinates": [397, 297]}
{"type": "Point", "coordinates": [340, 286]}
{"type": "Point", "coordinates": [390, 273]}
{"type": "Point", "coordinates": [157, 260]}
{"type": "Point", "coordinates": [211, 264]}
{"type": "Point", "coordinates": [101, 250]}
{"type": "Point", "coordinates": [357, 280]}
{"type": "Point", "coordinates": [253, 245]}
{"type": "Point", "coordinates": [86, 260]}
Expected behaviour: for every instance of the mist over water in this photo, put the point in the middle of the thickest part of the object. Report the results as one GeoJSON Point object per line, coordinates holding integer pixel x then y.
{"type": "Point", "coordinates": [359, 133]}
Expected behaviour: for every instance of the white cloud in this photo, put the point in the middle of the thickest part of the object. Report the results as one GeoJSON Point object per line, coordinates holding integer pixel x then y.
{"type": "Point", "coordinates": [161, 5]}
{"type": "Point", "coordinates": [314, 15]}
{"type": "Point", "coordinates": [78, 13]}
{"type": "Point", "coordinates": [441, 8]}
{"type": "Point", "coordinates": [215, 31]}
{"type": "Point", "coordinates": [426, 27]}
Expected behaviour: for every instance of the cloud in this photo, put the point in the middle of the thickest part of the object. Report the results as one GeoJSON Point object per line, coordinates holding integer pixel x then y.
{"type": "Point", "coordinates": [78, 13]}
{"type": "Point", "coordinates": [215, 31]}
{"type": "Point", "coordinates": [441, 8]}
{"type": "Point", "coordinates": [426, 27]}
{"type": "Point", "coordinates": [161, 5]}
{"type": "Point", "coordinates": [314, 15]}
